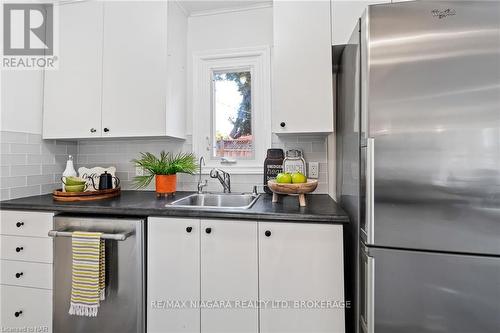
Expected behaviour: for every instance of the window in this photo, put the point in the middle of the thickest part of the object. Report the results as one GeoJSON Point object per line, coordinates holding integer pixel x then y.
{"type": "Point", "coordinates": [232, 113]}
{"type": "Point", "coordinates": [231, 108]}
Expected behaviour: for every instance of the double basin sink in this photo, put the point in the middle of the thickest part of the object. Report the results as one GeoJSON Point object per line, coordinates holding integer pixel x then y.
{"type": "Point", "coordinates": [217, 201]}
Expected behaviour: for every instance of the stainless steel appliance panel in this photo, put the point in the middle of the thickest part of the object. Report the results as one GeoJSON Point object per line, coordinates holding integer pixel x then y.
{"type": "Point", "coordinates": [123, 309]}
{"type": "Point", "coordinates": [433, 112]}
{"type": "Point", "coordinates": [348, 158]}
{"type": "Point", "coordinates": [424, 292]}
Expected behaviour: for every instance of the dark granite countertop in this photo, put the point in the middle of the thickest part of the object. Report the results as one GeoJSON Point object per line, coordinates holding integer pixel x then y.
{"type": "Point", "coordinates": [321, 208]}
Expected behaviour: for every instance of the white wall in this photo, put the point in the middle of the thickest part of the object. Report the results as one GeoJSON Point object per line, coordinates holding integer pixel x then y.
{"type": "Point", "coordinates": [22, 100]}
{"type": "Point", "coordinates": [223, 31]}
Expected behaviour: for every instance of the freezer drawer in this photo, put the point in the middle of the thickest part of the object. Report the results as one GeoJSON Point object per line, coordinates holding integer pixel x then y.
{"type": "Point", "coordinates": [423, 292]}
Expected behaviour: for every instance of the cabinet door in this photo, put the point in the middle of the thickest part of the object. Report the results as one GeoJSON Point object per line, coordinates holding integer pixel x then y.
{"type": "Point", "coordinates": [302, 67]}
{"type": "Point", "coordinates": [345, 16]}
{"type": "Point", "coordinates": [229, 272]}
{"type": "Point", "coordinates": [72, 94]}
{"type": "Point", "coordinates": [22, 309]}
{"type": "Point", "coordinates": [301, 263]}
{"type": "Point", "coordinates": [173, 274]}
{"type": "Point", "coordinates": [135, 68]}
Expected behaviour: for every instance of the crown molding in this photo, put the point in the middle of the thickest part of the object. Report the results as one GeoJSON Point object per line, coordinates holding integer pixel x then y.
{"type": "Point", "coordinates": [230, 10]}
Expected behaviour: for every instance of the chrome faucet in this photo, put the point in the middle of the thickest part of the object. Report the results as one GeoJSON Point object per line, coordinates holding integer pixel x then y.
{"type": "Point", "coordinates": [201, 184]}
{"type": "Point", "coordinates": [223, 177]}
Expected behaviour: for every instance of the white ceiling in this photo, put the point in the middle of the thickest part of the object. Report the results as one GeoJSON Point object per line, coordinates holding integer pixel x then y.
{"type": "Point", "coordinates": [199, 6]}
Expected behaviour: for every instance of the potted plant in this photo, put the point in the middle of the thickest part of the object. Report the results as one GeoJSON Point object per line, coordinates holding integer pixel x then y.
{"type": "Point", "coordinates": [164, 169]}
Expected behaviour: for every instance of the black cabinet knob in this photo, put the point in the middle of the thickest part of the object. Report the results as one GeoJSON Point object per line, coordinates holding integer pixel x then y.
{"type": "Point", "coordinates": [267, 233]}
{"type": "Point", "coordinates": [282, 124]}
{"type": "Point", "coordinates": [208, 230]}
{"type": "Point", "coordinates": [106, 129]}
{"type": "Point", "coordinates": [19, 224]}
{"type": "Point", "coordinates": [19, 249]}
{"type": "Point", "coordinates": [93, 130]}
{"type": "Point", "coordinates": [18, 313]}
{"type": "Point", "coordinates": [18, 275]}
{"type": "Point", "coordinates": [189, 229]}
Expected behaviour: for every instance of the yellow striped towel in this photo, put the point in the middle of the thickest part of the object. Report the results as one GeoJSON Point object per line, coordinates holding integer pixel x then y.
{"type": "Point", "coordinates": [88, 277]}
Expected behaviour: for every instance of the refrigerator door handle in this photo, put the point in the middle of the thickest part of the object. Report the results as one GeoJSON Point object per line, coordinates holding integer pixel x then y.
{"type": "Point", "coordinates": [370, 175]}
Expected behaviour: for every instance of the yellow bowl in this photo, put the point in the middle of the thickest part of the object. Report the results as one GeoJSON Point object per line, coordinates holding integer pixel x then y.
{"type": "Point", "coordinates": [69, 181]}
{"type": "Point", "coordinates": [75, 188]}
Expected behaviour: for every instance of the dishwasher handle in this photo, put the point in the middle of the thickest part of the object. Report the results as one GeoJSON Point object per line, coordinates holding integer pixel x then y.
{"type": "Point", "coordinates": [117, 237]}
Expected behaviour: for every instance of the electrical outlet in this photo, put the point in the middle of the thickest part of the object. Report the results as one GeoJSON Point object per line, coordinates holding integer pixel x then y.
{"type": "Point", "coordinates": [139, 171]}
{"type": "Point", "coordinates": [313, 170]}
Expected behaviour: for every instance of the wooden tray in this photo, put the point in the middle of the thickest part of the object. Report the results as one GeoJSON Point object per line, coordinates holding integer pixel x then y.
{"type": "Point", "coordinates": [300, 189]}
{"type": "Point", "coordinates": [59, 195]}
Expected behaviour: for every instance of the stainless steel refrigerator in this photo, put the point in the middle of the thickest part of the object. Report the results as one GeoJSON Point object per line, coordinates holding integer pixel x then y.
{"type": "Point", "coordinates": [418, 165]}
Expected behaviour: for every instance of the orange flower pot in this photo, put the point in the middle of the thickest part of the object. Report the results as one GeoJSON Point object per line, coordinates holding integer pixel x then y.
{"type": "Point", "coordinates": [166, 184]}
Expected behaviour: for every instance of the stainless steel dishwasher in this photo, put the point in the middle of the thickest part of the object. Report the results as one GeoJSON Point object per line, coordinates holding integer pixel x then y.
{"type": "Point", "coordinates": [123, 309]}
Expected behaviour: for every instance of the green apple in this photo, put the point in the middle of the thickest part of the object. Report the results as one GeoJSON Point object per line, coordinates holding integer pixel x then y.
{"type": "Point", "coordinates": [298, 177]}
{"type": "Point", "coordinates": [283, 178]}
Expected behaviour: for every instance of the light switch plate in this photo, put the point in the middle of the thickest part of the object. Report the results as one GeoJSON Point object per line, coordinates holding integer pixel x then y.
{"type": "Point", "coordinates": [313, 171]}
{"type": "Point", "coordinates": [139, 171]}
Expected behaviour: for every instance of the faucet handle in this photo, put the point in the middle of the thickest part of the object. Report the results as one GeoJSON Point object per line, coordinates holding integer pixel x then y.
{"type": "Point", "coordinates": [254, 191]}
{"type": "Point", "coordinates": [201, 185]}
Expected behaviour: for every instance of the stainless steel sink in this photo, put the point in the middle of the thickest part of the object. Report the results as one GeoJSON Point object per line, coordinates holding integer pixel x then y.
{"type": "Point", "coordinates": [217, 201]}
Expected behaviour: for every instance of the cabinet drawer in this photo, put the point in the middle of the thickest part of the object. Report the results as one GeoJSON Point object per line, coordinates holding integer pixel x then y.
{"type": "Point", "coordinates": [26, 274]}
{"type": "Point", "coordinates": [32, 306]}
{"type": "Point", "coordinates": [19, 223]}
{"type": "Point", "coordinates": [26, 248]}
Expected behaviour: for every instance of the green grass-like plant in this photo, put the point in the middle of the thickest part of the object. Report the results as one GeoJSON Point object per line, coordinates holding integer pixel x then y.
{"type": "Point", "coordinates": [165, 164]}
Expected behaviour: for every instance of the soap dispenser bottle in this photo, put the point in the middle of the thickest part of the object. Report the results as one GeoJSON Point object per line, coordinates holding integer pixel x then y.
{"type": "Point", "coordinates": [69, 171]}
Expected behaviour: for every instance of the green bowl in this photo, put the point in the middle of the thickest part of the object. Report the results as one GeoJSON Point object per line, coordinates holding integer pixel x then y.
{"type": "Point", "coordinates": [75, 188]}
{"type": "Point", "coordinates": [73, 181]}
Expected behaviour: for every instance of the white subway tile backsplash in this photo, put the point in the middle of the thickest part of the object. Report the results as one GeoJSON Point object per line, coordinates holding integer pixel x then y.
{"type": "Point", "coordinates": [37, 165]}
{"type": "Point", "coordinates": [4, 171]}
{"type": "Point", "coordinates": [34, 138]}
{"type": "Point", "coordinates": [13, 137]}
{"type": "Point", "coordinates": [25, 170]}
{"type": "Point", "coordinates": [25, 148]}
{"type": "Point", "coordinates": [31, 163]}
{"type": "Point", "coordinates": [8, 182]}
{"type": "Point", "coordinates": [5, 148]}
{"type": "Point", "coordinates": [120, 153]}
{"type": "Point", "coordinates": [40, 179]}
{"type": "Point", "coordinates": [10, 159]}
{"type": "Point", "coordinates": [53, 169]}
{"type": "Point", "coordinates": [25, 191]}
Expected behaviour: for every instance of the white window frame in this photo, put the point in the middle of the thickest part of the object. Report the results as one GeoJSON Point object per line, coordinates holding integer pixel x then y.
{"type": "Point", "coordinates": [257, 59]}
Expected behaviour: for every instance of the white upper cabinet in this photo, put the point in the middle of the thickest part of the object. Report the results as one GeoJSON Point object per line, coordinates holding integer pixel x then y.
{"type": "Point", "coordinates": [72, 93]}
{"type": "Point", "coordinates": [345, 15]}
{"type": "Point", "coordinates": [118, 66]}
{"type": "Point", "coordinates": [302, 67]}
{"type": "Point", "coordinates": [134, 69]}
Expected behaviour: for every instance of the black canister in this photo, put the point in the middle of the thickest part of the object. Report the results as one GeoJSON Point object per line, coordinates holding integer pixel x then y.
{"type": "Point", "coordinates": [273, 164]}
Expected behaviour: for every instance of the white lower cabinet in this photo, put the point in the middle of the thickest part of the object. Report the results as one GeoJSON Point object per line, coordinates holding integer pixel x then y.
{"type": "Point", "coordinates": [229, 276]}
{"type": "Point", "coordinates": [227, 267]}
{"type": "Point", "coordinates": [301, 270]}
{"type": "Point", "coordinates": [25, 271]}
{"type": "Point", "coordinates": [25, 308]}
{"type": "Point", "coordinates": [173, 274]}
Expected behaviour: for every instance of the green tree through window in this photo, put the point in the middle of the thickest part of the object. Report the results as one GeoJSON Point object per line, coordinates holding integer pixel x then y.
{"type": "Point", "coordinates": [242, 123]}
